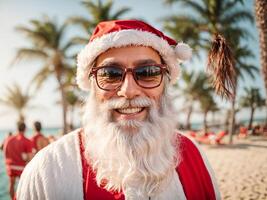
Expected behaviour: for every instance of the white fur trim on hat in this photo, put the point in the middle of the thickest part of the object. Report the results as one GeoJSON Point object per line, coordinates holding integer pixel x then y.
{"type": "Point", "coordinates": [121, 39]}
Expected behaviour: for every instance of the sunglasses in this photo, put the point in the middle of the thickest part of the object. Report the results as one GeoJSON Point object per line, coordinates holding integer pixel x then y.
{"type": "Point", "coordinates": [111, 77]}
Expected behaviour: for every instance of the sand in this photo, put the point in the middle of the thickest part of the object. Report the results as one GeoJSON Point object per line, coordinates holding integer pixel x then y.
{"type": "Point", "coordinates": [241, 168]}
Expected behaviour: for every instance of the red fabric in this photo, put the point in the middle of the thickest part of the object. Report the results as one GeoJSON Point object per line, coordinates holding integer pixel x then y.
{"type": "Point", "coordinates": [34, 140]}
{"type": "Point", "coordinates": [90, 188]}
{"type": "Point", "coordinates": [12, 172]}
{"type": "Point", "coordinates": [118, 25]}
{"type": "Point", "coordinates": [192, 171]}
{"type": "Point", "coordinates": [14, 147]}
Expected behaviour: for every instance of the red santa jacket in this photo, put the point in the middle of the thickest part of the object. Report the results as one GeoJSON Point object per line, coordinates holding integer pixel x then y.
{"type": "Point", "coordinates": [193, 174]}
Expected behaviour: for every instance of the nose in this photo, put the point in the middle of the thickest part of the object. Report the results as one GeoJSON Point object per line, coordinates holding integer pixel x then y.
{"type": "Point", "coordinates": [129, 88]}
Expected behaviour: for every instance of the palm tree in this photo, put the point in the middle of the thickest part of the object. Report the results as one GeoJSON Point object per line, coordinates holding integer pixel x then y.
{"type": "Point", "coordinates": [194, 86]}
{"type": "Point", "coordinates": [211, 19]}
{"type": "Point", "coordinates": [208, 18]}
{"type": "Point", "coordinates": [253, 100]}
{"type": "Point", "coordinates": [46, 38]}
{"type": "Point", "coordinates": [17, 100]}
{"type": "Point", "coordinates": [261, 16]}
{"type": "Point", "coordinates": [207, 104]}
{"type": "Point", "coordinates": [99, 12]}
{"type": "Point", "coordinates": [73, 101]}
{"type": "Point", "coordinates": [241, 55]}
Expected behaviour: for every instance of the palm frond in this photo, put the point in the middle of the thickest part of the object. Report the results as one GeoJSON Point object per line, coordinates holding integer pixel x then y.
{"type": "Point", "coordinates": [60, 33]}
{"type": "Point", "coordinates": [228, 5]}
{"type": "Point", "coordinates": [30, 54]}
{"type": "Point", "coordinates": [243, 52]}
{"type": "Point", "coordinates": [85, 23]}
{"type": "Point", "coordinates": [237, 16]}
{"type": "Point", "coordinates": [198, 8]}
{"type": "Point", "coordinates": [15, 99]}
{"type": "Point", "coordinates": [102, 11]}
{"type": "Point", "coordinates": [74, 42]}
{"type": "Point", "coordinates": [37, 36]}
{"type": "Point", "coordinates": [120, 12]}
{"type": "Point", "coordinates": [41, 76]}
{"type": "Point", "coordinates": [248, 69]}
{"type": "Point", "coordinates": [184, 29]}
{"type": "Point", "coordinates": [252, 98]}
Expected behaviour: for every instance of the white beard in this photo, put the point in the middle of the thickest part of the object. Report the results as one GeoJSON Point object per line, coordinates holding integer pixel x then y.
{"type": "Point", "coordinates": [141, 162]}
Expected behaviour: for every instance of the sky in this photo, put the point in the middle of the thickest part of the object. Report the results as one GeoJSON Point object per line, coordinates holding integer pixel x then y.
{"type": "Point", "coordinates": [45, 109]}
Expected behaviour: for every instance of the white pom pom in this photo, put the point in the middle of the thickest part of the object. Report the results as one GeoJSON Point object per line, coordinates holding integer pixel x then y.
{"type": "Point", "coordinates": [183, 51]}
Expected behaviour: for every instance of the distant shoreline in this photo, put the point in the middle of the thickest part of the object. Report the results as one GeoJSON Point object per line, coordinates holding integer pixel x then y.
{"type": "Point", "coordinates": [194, 125]}
{"type": "Point", "coordinates": [28, 129]}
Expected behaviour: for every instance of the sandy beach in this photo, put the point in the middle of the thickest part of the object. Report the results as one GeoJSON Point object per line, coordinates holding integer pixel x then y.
{"type": "Point", "coordinates": [241, 168]}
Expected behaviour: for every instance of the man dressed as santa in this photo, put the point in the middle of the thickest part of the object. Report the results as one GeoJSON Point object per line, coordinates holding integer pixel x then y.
{"type": "Point", "coordinates": [128, 147]}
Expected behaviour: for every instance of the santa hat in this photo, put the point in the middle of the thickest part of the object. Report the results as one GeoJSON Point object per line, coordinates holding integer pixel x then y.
{"type": "Point", "coordinates": [121, 33]}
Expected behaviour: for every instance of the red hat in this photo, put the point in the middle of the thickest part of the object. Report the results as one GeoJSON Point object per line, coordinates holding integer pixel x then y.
{"type": "Point", "coordinates": [121, 33]}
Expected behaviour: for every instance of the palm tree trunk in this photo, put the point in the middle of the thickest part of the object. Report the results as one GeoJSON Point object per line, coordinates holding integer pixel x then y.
{"type": "Point", "coordinates": [21, 117]}
{"type": "Point", "coordinates": [226, 122]}
{"type": "Point", "coordinates": [188, 117]}
{"type": "Point", "coordinates": [261, 19]}
{"type": "Point", "coordinates": [213, 118]}
{"type": "Point", "coordinates": [205, 122]}
{"type": "Point", "coordinates": [71, 117]}
{"type": "Point", "coordinates": [64, 110]}
{"type": "Point", "coordinates": [232, 118]}
{"type": "Point", "coordinates": [251, 118]}
{"type": "Point", "coordinates": [64, 105]}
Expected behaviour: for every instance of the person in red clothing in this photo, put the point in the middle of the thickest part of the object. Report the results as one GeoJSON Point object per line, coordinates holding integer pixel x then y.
{"type": "Point", "coordinates": [17, 152]}
{"type": "Point", "coordinates": [38, 139]}
{"type": "Point", "coordinates": [8, 136]}
{"type": "Point", "coordinates": [128, 146]}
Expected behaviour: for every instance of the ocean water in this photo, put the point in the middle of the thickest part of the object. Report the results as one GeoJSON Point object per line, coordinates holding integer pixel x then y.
{"type": "Point", "coordinates": [3, 177]}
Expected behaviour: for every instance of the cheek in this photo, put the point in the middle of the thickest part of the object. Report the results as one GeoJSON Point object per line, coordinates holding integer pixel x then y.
{"type": "Point", "coordinates": [102, 95]}
{"type": "Point", "coordinates": [156, 94]}
{"type": "Point", "coordinates": [157, 100]}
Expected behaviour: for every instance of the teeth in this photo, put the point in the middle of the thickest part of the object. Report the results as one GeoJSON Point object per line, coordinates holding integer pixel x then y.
{"type": "Point", "coordinates": [129, 110]}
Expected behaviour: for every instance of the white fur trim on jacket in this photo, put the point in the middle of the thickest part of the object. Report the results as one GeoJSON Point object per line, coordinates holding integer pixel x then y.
{"type": "Point", "coordinates": [124, 38]}
{"type": "Point", "coordinates": [55, 172]}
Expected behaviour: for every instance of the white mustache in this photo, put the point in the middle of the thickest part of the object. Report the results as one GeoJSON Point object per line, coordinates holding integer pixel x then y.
{"type": "Point", "coordinates": [118, 103]}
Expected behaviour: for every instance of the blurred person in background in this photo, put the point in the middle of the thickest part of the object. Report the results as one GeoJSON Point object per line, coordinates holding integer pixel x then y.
{"type": "Point", "coordinates": [18, 152]}
{"type": "Point", "coordinates": [38, 139]}
{"type": "Point", "coordinates": [8, 135]}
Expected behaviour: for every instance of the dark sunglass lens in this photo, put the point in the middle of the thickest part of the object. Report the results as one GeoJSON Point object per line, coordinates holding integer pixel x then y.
{"type": "Point", "coordinates": [109, 77]}
{"type": "Point", "coordinates": [148, 76]}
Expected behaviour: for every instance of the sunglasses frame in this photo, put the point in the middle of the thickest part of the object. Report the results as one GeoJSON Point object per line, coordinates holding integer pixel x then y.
{"type": "Point", "coordinates": [125, 70]}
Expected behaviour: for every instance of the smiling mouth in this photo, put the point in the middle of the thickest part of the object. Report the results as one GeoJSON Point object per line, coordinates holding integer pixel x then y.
{"type": "Point", "coordinates": [127, 111]}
